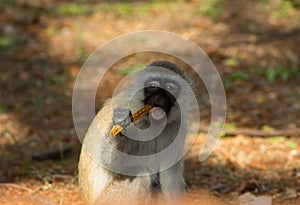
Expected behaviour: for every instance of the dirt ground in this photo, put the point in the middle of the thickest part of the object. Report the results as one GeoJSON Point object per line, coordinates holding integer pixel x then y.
{"type": "Point", "coordinates": [254, 45]}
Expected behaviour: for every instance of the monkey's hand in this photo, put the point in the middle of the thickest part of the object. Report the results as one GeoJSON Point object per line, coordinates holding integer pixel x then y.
{"type": "Point", "coordinates": [122, 117]}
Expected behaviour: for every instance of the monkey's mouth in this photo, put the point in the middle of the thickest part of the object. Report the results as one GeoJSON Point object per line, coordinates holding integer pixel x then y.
{"type": "Point", "coordinates": [157, 113]}
{"type": "Point", "coordinates": [162, 102]}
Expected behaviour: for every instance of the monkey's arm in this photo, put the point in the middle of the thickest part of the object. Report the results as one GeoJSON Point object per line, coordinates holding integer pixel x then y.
{"type": "Point", "coordinates": [96, 156]}
{"type": "Point", "coordinates": [93, 178]}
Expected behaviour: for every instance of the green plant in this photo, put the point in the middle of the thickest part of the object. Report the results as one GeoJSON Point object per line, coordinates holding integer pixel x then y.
{"type": "Point", "coordinates": [211, 8]}
{"type": "Point", "coordinates": [233, 62]}
{"type": "Point", "coordinates": [230, 126]}
{"type": "Point", "coordinates": [283, 9]}
{"type": "Point", "coordinates": [38, 100]}
{"type": "Point", "coordinates": [279, 71]}
{"type": "Point", "coordinates": [283, 140]}
{"type": "Point", "coordinates": [280, 9]}
{"type": "Point", "coordinates": [138, 8]}
{"type": "Point", "coordinates": [123, 8]}
{"type": "Point", "coordinates": [80, 48]}
{"type": "Point", "coordinates": [284, 73]}
{"type": "Point", "coordinates": [292, 145]}
{"type": "Point", "coordinates": [227, 126]}
{"type": "Point", "coordinates": [277, 139]}
{"type": "Point", "coordinates": [226, 171]}
{"type": "Point", "coordinates": [237, 75]}
{"type": "Point", "coordinates": [128, 70]}
{"type": "Point", "coordinates": [61, 153]}
{"type": "Point", "coordinates": [72, 9]}
{"type": "Point", "coordinates": [276, 72]}
{"type": "Point", "coordinates": [271, 75]}
{"type": "Point", "coordinates": [2, 108]}
{"type": "Point", "coordinates": [295, 70]}
{"type": "Point", "coordinates": [23, 150]}
{"type": "Point", "coordinates": [8, 43]}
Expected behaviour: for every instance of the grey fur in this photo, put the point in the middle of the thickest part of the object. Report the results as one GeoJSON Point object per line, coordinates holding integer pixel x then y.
{"type": "Point", "coordinates": [99, 150]}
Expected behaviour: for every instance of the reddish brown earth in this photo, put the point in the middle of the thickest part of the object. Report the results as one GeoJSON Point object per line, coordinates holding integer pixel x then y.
{"type": "Point", "coordinates": [43, 46]}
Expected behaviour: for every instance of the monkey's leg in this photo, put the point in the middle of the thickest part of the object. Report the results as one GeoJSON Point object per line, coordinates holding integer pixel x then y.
{"type": "Point", "coordinates": [172, 181]}
{"type": "Point", "coordinates": [126, 191]}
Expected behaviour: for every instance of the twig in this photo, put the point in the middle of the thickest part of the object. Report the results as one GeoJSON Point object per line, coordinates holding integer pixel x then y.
{"type": "Point", "coordinates": [255, 132]}
{"type": "Point", "coordinates": [16, 186]}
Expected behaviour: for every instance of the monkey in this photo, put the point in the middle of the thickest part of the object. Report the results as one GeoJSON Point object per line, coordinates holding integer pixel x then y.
{"type": "Point", "coordinates": [106, 172]}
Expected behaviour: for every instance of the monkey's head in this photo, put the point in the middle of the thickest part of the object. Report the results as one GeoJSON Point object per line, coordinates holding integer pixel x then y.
{"type": "Point", "coordinates": [161, 84]}
{"type": "Point", "coordinates": [165, 88]}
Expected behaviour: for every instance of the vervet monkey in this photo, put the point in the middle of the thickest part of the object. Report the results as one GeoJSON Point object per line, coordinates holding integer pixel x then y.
{"type": "Point", "coordinates": [105, 174]}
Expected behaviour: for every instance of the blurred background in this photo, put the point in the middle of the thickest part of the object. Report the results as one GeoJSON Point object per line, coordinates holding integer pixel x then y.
{"type": "Point", "coordinates": [254, 45]}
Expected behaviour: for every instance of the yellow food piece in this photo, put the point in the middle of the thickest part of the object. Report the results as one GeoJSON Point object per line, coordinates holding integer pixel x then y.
{"type": "Point", "coordinates": [135, 116]}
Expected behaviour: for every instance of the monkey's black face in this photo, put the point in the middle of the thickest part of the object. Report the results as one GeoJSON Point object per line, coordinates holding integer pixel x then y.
{"type": "Point", "coordinates": [160, 93]}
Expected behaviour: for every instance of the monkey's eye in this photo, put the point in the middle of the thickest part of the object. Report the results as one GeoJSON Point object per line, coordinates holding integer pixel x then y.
{"type": "Point", "coordinates": [171, 87]}
{"type": "Point", "coordinates": [153, 84]}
